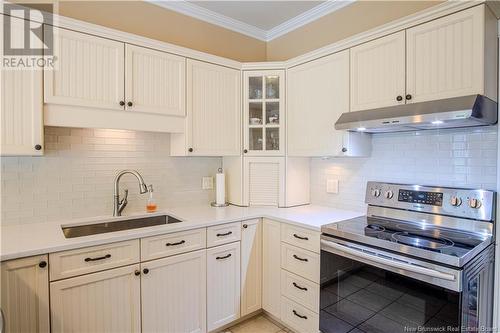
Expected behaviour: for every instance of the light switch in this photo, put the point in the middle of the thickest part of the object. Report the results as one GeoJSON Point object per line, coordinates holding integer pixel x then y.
{"type": "Point", "coordinates": [332, 186]}
{"type": "Point", "coordinates": [207, 183]}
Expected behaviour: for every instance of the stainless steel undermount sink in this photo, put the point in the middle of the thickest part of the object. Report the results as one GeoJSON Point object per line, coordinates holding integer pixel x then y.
{"type": "Point", "coordinates": [101, 228]}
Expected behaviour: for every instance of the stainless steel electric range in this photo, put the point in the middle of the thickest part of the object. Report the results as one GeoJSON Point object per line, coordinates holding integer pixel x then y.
{"type": "Point", "coordinates": [421, 260]}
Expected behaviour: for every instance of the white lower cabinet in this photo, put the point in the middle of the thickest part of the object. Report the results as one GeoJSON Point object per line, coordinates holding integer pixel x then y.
{"type": "Point", "coordinates": [108, 301]}
{"type": "Point", "coordinates": [223, 281]}
{"type": "Point", "coordinates": [25, 295]}
{"type": "Point", "coordinates": [174, 294]}
{"type": "Point", "coordinates": [271, 259]}
{"type": "Point", "coordinates": [251, 266]}
{"type": "Point", "coordinates": [299, 318]}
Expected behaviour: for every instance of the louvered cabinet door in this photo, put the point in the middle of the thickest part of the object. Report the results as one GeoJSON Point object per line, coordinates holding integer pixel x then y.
{"type": "Point", "coordinates": [89, 71]}
{"type": "Point", "coordinates": [174, 294]}
{"type": "Point", "coordinates": [264, 181]}
{"type": "Point", "coordinates": [378, 73]}
{"type": "Point", "coordinates": [446, 57]}
{"type": "Point", "coordinates": [213, 109]}
{"type": "Point", "coordinates": [21, 103]}
{"type": "Point", "coordinates": [25, 295]}
{"type": "Point", "coordinates": [155, 81]}
{"type": "Point", "coordinates": [107, 301]}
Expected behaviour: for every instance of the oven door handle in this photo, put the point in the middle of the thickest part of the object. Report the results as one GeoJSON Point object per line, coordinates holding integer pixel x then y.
{"type": "Point", "coordinates": [389, 262]}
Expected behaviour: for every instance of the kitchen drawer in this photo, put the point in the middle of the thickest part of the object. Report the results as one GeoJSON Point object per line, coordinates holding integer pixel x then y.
{"type": "Point", "coordinates": [223, 234]}
{"type": "Point", "coordinates": [300, 290]}
{"type": "Point", "coordinates": [92, 259]}
{"type": "Point", "coordinates": [301, 237]}
{"type": "Point", "coordinates": [301, 262]}
{"type": "Point", "coordinates": [299, 318]}
{"type": "Point", "coordinates": [179, 242]}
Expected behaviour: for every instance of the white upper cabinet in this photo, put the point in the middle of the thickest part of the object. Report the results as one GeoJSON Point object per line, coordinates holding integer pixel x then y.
{"type": "Point", "coordinates": [264, 113]}
{"type": "Point", "coordinates": [89, 71]}
{"type": "Point", "coordinates": [213, 125]}
{"type": "Point", "coordinates": [452, 56]}
{"type": "Point", "coordinates": [21, 103]}
{"type": "Point", "coordinates": [155, 81]}
{"type": "Point", "coordinates": [378, 73]}
{"type": "Point", "coordinates": [318, 93]}
{"type": "Point", "coordinates": [174, 294]}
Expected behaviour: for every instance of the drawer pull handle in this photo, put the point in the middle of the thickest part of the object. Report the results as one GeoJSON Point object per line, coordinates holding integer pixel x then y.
{"type": "Point", "coordinates": [174, 244]}
{"type": "Point", "coordinates": [224, 257]}
{"type": "Point", "coordinates": [300, 237]}
{"type": "Point", "coordinates": [226, 234]}
{"type": "Point", "coordinates": [298, 315]}
{"type": "Point", "coordinates": [107, 256]}
{"type": "Point", "coordinates": [299, 258]}
{"type": "Point", "coordinates": [299, 287]}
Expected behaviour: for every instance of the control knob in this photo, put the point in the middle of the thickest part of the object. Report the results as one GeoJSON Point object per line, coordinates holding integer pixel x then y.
{"type": "Point", "coordinates": [376, 192]}
{"type": "Point", "coordinates": [455, 201]}
{"type": "Point", "coordinates": [389, 194]}
{"type": "Point", "coordinates": [474, 203]}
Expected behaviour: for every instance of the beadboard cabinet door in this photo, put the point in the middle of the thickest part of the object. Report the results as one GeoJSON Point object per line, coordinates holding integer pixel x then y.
{"type": "Point", "coordinates": [213, 112]}
{"type": "Point", "coordinates": [223, 281]}
{"type": "Point", "coordinates": [89, 71]}
{"type": "Point", "coordinates": [378, 73]}
{"type": "Point", "coordinates": [447, 57]}
{"type": "Point", "coordinates": [24, 295]}
{"type": "Point", "coordinates": [271, 267]}
{"type": "Point", "coordinates": [155, 81]}
{"type": "Point", "coordinates": [251, 266]}
{"type": "Point", "coordinates": [108, 301]}
{"type": "Point", "coordinates": [174, 294]}
{"type": "Point", "coordinates": [21, 123]}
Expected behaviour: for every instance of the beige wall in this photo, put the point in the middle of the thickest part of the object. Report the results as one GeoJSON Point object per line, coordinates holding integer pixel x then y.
{"type": "Point", "coordinates": [348, 21]}
{"type": "Point", "coordinates": [151, 21]}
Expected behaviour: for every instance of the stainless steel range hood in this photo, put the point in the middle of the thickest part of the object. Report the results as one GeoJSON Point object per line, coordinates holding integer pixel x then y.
{"type": "Point", "coordinates": [466, 111]}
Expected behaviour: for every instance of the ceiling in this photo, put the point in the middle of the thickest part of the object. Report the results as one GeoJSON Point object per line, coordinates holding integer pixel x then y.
{"type": "Point", "coordinates": [261, 19]}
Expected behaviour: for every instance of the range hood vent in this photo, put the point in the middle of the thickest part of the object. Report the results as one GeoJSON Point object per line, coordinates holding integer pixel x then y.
{"type": "Point", "coordinates": [466, 111]}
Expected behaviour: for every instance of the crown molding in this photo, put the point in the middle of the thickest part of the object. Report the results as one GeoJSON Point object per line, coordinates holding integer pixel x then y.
{"type": "Point", "coordinates": [192, 10]}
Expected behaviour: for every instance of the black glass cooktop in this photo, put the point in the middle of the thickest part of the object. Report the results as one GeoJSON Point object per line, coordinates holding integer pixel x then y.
{"type": "Point", "coordinates": [378, 231]}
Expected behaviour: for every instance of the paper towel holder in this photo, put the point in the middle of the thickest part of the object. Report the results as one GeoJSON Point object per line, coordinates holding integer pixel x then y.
{"type": "Point", "coordinates": [214, 204]}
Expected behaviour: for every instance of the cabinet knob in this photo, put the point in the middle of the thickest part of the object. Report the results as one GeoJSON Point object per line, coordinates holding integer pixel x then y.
{"type": "Point", "coordinates": [399, 98]}
{"type": "Point", "coordinates": [190, 150]}
{"type": "Point", "coordinates": [344, 149]}
{"type": "Point", "coordinates": [137, 272]}
{"type": "Point", "coordinates": [122, 103]}
{"type": "Point", "coordinates": [129, 104]}
{"type": "Point", "coordinates": [145, 271]}
{"type": "Point", "coordinates": [245, 151]}
{"type": "Point", "coordinates": [42, 264]}
{"type": "Point", "coordinates": [38, 147]}
{"type": "Point", "coordinates": [408, 97]}
{"type": "Point", "coordinates": [245, 226]}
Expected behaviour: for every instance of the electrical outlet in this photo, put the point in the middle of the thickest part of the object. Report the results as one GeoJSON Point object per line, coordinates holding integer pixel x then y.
{"type": "Point", "coordinates": [207, 183]}
{"type": "Point", "coordinates": [332, 186]}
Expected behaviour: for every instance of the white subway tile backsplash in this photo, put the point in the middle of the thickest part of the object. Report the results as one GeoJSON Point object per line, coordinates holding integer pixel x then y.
{"type": "Point", "coordinates": [455, 157]}
{"type": "Point", "coordinates": [74, 178]}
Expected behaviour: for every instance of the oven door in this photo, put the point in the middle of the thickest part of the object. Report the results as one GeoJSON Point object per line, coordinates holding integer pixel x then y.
{"type": "Point", "coordinates": [377, 291]}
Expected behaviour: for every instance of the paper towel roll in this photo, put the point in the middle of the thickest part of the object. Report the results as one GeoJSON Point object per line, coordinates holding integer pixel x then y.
{"type": "Point", "coordinates": [220, 188]}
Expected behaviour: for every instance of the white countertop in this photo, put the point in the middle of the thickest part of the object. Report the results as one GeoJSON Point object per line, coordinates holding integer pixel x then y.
{"type": "Point", "coordinates": [24, 240]}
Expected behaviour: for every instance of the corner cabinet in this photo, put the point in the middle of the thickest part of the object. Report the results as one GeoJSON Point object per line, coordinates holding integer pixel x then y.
{"type": "Point", "coordinates": [21, 106]}
{"type": "Point", "coordinates": [318, 93]}
{"type": "Point", "coordinates": [264, 113]}
{"type": "Point", "coordinates": [24, 295]}
{"type": "Point", "coordinates": [213, 123]}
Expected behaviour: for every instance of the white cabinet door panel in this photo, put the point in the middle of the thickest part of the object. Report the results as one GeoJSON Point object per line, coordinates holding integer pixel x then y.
{"type": "Point", "coordinates": [223, 281]}
{"type": "Point", "coordinates": [378, 72]}
{"type": "Point", "coordinates": [155, 81]}
{"type": "Point", "coordinates": [89, 71]}
{"type": "Point", "coordinates": [174, 294]}
{"type": "Point", "coordinates": [271, 267]}
{"type": "Point", "coordinates": [251, 266]}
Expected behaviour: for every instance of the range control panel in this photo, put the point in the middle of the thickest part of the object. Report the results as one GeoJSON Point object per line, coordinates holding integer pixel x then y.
{"type": "Point", "coordinates": [459, 202]}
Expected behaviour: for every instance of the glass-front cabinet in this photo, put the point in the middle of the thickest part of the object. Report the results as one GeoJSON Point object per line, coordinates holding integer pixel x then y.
{"type": "Point", "coordinates": [264, 113]}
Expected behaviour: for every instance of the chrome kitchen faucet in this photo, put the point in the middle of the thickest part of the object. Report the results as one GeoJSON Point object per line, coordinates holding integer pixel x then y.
{"type": "Point", "coordinates": [119, 205]}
